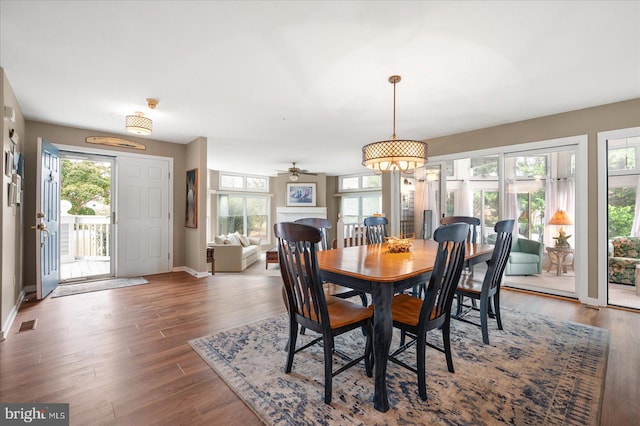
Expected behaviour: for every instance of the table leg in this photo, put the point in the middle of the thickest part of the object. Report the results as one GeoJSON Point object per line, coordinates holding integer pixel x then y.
{"type": "Point", "coordinates": [382, 294]}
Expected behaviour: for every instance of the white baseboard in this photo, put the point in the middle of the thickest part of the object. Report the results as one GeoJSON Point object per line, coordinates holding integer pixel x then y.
{"type": "Point", "coordinates": [190, 271]}
{"type": "Point", "coordinates": [14, 312]}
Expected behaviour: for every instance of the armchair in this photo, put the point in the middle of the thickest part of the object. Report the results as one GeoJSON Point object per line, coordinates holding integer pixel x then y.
{"type": "Point", "coordinates": [623, 260]}
{"type": "Point", "coordinates": [525, 258]}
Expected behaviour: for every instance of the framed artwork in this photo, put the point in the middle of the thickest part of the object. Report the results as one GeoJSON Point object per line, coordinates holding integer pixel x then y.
{"type": "Point", "coordinates": [301, 194]}
{"type": "Point", "coordinates": [191, 216]}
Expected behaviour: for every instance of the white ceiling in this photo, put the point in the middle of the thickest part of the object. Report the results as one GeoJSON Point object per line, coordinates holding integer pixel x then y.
{"type": "Point", "coordinates": [268, 83]}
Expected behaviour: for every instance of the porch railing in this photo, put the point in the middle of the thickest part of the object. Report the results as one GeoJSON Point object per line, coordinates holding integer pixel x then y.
{"type": "Point", "coordinates": [84, 238]}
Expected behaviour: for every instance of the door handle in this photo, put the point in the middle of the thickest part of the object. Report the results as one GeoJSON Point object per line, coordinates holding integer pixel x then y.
{"type": "Point", "coordinates": [42, 227]}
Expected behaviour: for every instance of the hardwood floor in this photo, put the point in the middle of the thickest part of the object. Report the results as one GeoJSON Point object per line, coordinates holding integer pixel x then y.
{"type": "Point", "coordinates": [121, 356]}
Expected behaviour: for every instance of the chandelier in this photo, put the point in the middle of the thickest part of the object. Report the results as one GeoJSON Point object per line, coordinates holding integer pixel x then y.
{"type": "Point", "coordinates": [139, 124]}
{"type": "Point", "coordinates": [394, 154]}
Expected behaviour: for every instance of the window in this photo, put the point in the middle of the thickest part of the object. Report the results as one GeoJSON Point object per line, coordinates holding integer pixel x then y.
{"type": "Point", "coordinates": [360, 183]}
{"type": "Point", "coordinates": [356, 207]}
{"type": "Point", "coordinates": [531, 166]}
{"type": "Point", "coordinates": [531, 220]}
{"type": "Point", "coordinates": [622, 159]}
{"type": "Point", "coordinates": [484, 167]}
{"type": "Point", "coordinates": [486, 208]}
{"type": "Point", "coordinates": [622, 201]}
{"type": "Point", "coordinates": [247, 214]}
{"type": "Point", "coordinates": [244, 183]}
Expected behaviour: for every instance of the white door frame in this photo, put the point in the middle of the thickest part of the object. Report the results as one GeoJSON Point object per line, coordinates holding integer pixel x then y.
{"type": "Point", "coordinates": [116, 154]}
{"type": "Point", "coordinates": [603, 213]}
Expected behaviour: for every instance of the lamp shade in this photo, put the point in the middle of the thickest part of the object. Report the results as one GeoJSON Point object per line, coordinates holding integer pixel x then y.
{"type": "Point", "coordinates": [139, 124]}
{"type": "Point", "coordinates": [392, 155]}
{"type": "Point", "coordinates": [560, 217]}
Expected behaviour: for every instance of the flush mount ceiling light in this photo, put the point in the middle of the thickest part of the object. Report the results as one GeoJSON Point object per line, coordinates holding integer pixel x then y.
{"type": "Point", "coordinates": [139, 124]}
{"type": "Point", "coordinates": [394, 154]}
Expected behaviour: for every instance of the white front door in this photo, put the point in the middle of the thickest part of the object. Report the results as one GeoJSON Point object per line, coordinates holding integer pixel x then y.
{"type": "Point", "coordinates": [47, 219]}
{"type": "Point", "coordinates": [142, 219]}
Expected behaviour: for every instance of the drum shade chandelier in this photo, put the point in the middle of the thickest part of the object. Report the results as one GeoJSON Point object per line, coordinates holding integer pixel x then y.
{"type": "Point", "coordinates": [394, 154]}
{"type": "Point", "coordinates": [139, 124]}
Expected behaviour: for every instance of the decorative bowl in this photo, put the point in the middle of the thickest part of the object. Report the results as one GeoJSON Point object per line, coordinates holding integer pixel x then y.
{"type": "Point", "coordinates": [399, 244]}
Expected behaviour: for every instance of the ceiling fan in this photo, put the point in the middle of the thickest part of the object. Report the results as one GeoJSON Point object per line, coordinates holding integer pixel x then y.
{"type": "Point", "coordinates": [295, 172]}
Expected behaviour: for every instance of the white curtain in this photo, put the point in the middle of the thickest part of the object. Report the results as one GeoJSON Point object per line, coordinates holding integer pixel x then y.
{"type": "Point", "coordinates": [463, 203]}
{"type": "Point", "coordinates": [635, 228]}
{"type": "Point", "coordinates": [511, 204]}
{"type": "Point", "coordinates": [426, 200]}
{"type": "Point", "coordinates": [560, 194]}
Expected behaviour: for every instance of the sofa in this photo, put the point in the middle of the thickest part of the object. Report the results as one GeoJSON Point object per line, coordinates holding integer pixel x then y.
{"type": "Point", "coordinates": [235, 252]}
{"type": "Point", "coordinates": [623, 260]}
{"type": "Point", "coordinates": [525, 258]}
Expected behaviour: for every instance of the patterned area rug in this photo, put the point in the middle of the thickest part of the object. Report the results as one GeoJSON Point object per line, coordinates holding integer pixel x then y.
{"type": "Point", "coordinates": [537, 371]}
{"type": "Point", "coordinates": [69, 289]}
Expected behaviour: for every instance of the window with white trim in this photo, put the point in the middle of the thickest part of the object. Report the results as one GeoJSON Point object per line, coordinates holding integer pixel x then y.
{"type": "Point", "coordinates": [233, 182]}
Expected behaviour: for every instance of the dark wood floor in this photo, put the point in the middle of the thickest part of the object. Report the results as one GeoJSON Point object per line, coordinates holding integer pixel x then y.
{"type": "Point", "coordinates": [121, 356]}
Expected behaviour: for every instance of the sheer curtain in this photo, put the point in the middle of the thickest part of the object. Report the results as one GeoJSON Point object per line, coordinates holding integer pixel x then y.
{"type": "Point", "coordinates": [511, 205]}
{"type": "Point", "coordinates": [560, 194]}
{"type": "Point", "coordinates": [463, 203]}
{"type": "Point", "coordinates": [426, 200]}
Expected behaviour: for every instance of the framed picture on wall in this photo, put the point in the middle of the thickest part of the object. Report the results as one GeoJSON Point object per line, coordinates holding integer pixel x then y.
{"type": "Point", "coordinates": [301, 194]}
{"type": "Point", "coordinates": [191, 216]}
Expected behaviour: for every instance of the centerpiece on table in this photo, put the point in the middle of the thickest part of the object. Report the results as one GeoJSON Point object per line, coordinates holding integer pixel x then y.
{"type": "Point", "coordinates": [400, 244]}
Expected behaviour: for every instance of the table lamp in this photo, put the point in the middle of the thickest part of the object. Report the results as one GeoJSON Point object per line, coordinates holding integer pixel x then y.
{"type": "Point", "coordinates": [561, 218]}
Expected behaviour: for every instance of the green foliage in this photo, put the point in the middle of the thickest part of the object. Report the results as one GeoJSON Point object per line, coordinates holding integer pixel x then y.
{"type": "Point", "coordinates": [622, 202]}
{"type": "Point", "coordinates": [85, 181]}
{"type": "Point", "coordinates": [620, 220]}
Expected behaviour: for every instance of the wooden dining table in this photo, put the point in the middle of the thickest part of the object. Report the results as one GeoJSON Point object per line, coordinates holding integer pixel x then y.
{"type": "Point", "coordinates": [374, 270]}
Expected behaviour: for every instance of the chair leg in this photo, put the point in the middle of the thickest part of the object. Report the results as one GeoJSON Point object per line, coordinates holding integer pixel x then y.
{"type": "Point", "coordinates": [293, 336]}
{"type": "Point", "coordinates": [421, 358]}
{"type": "Point", "coordinates": [363, 298]}
{"type": "Point", "coordinates": [484, 317]}
{"type": "Point", "coordinates": [328, 365]}
{"type": "Point", "coordinates": [460, 299]}
{"type": "Point", "coordinates": [496, 309]}
{"type": "Point", "coordinates": [446, 340]}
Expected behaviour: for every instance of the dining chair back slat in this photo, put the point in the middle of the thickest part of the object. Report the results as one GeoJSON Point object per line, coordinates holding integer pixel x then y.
{"type": "Point", "coordinates": [376, 229]}
{"type": "Point", "coordinates": [473, 223]}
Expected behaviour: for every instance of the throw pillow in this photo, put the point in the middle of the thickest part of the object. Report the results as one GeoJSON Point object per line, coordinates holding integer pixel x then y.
{"type": "Point", "coordinates": [219, 239]}
{"type": "Point", "coordinates": [244, 240]}
{"type": "Point", "coordinates": [234, 239]}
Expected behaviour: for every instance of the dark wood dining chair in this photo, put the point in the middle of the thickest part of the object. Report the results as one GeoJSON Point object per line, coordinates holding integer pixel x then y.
{"type": "Point", "coordinates": [415, 317]}
{"type": "Point", "coordinates": [323, 225]}
{"type": "Point", "coordinates": [473, 223]}
{"type": "Point", "coordinates": [487, 291]}
{"type": "Point", "coordinates": [376, 229]}
{"type": "Point", "coordinates": [308, 306]}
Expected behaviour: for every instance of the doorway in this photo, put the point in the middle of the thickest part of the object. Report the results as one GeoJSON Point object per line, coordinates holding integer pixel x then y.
{"type": "Point", "coordinates": [528, 182]}
{"type": "Point", "coordinates": [98, 184]}
{"type": "Point", "coordinates": [623, 219]}
{"type": "Point", "coordinates": [86, 231]}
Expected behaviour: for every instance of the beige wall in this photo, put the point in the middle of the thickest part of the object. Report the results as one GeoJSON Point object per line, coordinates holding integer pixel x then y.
{"type": "Point", "coordinates": [588, 121]}
{"type": "Point", "coordinates": [195, 238]}
{"type": "Point", "coordinates": [64, 135]}
{"type": "Point", "coordinates": [10, 217]}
